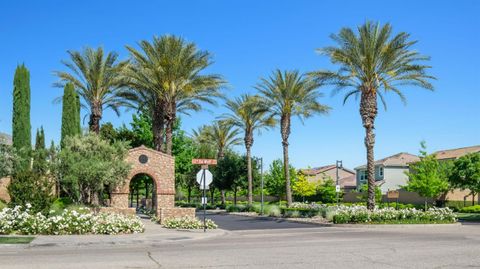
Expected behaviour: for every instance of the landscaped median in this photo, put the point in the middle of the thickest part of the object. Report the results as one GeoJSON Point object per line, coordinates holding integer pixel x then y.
{"type": "Point", "coordinates": [20, 220]}
{"type": "Point", "coordinates": [350, 214]}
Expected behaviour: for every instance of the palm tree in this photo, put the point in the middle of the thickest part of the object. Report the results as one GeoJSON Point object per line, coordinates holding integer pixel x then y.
{"type": "Point", "coordinates": [249, 113]}
{"type": "Point", "coordinates": [372, 63]}
{"type": "Point", "coordinates": [149, 102]}
{"type": "Point", "coordinates": [170, 68]}
{"type": "Point", "coordinates": [96, 79]}
{"type": "Point", "coordinates": [290, 94]}
{"type": "Point", "coordinates": [223, 135]}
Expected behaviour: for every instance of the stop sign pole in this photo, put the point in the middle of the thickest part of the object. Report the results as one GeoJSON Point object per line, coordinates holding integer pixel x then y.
{"type": "Point", "coordinates": [204, 163]}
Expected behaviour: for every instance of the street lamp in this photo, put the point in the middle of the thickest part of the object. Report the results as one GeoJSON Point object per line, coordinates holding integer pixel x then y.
{"type": "Point", "coordinates": [261, 184]}
{"type": "Point", "coordinates": [338, 164]}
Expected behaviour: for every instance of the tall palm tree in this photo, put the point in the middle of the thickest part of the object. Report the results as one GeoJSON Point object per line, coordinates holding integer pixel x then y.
{"type": "Point", "coordinates": [372, 63]}
{"type": "Point", "coordinates": [205, 146]}
{"type": "Point", "coordinates": [249, 113]}
{"type": "Point", "coordinates": [170, 68]}
{"type": "Point", "coordinates": [223, 135]}
{"type": "Point", "coordinates": [96, 78]}
{"type": "Point", "coordinates": [290, 94]}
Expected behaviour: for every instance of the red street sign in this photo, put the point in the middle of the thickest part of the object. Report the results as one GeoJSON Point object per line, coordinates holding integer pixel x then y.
{"type": "Point", "coordinates": [204, 161]}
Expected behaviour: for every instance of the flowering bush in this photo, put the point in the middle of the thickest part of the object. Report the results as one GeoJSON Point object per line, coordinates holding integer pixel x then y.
{"type": "Point", "coordinates": [188, 223]}
{"type": "Point", "coordinates": [19, 220]}
{"type": "Point", "coordinates": [360, 214]}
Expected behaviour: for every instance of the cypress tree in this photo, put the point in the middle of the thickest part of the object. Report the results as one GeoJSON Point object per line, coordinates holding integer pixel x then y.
{"type": "Point", "coordinates": [40, 153]}
{"type": "Point", "coordinates": [70, 120]}
{"type": "Point", "coordinates": [21, 128]}
{"type": "Point", "coordinates": [77, 115]}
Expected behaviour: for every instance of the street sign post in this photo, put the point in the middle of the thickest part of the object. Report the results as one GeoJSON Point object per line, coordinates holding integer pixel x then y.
{"type": "Point", "coordinates": [204, 178]}
{"type": "Point", "coordinates": [208, 178]}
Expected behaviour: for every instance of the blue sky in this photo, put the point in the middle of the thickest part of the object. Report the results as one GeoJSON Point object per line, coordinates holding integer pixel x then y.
{"type": "Point", "coordinates": [249, 39]}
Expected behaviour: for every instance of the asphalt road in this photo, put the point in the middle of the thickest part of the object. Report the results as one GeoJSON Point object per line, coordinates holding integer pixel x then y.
{"type": "Point", "coordinates": [271, 247]}
{"type": "Point", "coordinates": [242, 223]}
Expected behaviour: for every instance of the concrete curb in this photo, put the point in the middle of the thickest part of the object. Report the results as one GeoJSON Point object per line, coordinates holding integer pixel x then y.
{"type": "Point", "coordinates": [345, 225]}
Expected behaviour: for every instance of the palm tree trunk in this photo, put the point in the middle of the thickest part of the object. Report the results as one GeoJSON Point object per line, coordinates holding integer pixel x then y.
{"type": "Point", "coordinates": [249, 172]}
{"type": "Point", "coordinates": [170, 117]}
{"type": "Point", "coordinates": [285, 130]}
{"type": "Point", "coordinates": [368, 112]}
{"type": "Point", "coordinates": [222, 192]}
{"type": "Point", "coordinates": [95, 117]}
{"type": "Point", "coordinates": [158, 124]}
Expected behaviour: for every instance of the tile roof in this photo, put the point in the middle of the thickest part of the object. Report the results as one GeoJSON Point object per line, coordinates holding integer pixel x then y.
{"type": "Point", "coordinates": [455, 153]}
{"type": "Point", "coordinates": [399, 159]}
{"type": "Point", "coordinates": [321, 169]}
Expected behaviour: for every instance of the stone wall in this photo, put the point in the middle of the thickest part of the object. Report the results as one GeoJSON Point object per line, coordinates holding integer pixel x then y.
{"type": "Point", "coordinates": [176, 212]}
{"type": "Point", "coordinates": [4, 182]}
{"type": "Point", "coordinates": [124, 211]}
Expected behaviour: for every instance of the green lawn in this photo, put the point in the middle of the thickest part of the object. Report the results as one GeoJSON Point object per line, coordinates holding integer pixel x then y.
{"type": "Point", "coordinates": [469, 216]}
{"type": "Point", "coordinates": [16, 239]}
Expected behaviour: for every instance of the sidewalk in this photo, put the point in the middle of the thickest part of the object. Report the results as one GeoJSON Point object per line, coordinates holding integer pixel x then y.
{"type": "Point", "coordinates": [154, 234]}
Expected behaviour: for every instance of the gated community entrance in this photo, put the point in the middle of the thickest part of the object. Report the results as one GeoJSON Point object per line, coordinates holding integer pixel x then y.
{"type": "Point", "coordinates": [154, 171]}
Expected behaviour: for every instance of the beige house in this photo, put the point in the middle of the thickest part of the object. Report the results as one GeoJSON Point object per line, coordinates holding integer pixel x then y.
{"type": "Point", "coordinates": [450, 155]}
{"type": "Point", "coordinates": [389, 171]}
{"type": "Point", "coordinates": [346, 176]}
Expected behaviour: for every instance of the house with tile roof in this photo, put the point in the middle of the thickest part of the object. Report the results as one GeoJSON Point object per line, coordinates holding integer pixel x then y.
{"type": "Point", "coordinates": [452, 154]}
{"type": "Point", "coordinates": [347, 179]}
{"type": "Point", "coordinates": [389, 171]}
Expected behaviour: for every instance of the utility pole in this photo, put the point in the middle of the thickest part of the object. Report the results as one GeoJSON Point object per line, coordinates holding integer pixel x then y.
{"type": "Point", "coordinates": [338, 164]}
{"type": "Point", "coordinates": [261, 184]}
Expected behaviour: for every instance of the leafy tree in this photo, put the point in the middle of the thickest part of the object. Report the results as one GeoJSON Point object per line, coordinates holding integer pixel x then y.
{"type": "Point", "coordinates": [427, 177]}
{"type": "Point", "coordinates": [28, 187]}
{"type": "Point", "coordinates": [290, 94]}
{"type": "Point", "coordinates": [70, 113]}
{"type": "Point", "coordinates": [8, 160]}
{"type": "Point", "coordinates": [21, 129]}
{"type": "Point", "coordinates": [364, 194]}
{"type": "Point", "coordinates": [275, 179]}
{"type": "Point", "coordinates": [108, 132]}
{"type": "Point", "coordinates": [228, 171]}
{"type": "Point", "coordinates": [372, 63]}
{"type": "Point", "coordinates": [140, 132]}
{"type": "Point", "coordinates": [327, 193]}
{"type": "Point", "coordinates": [87, 164]}
{"type": "Point", "coordinates": [96, 79]}
{"type": "Point", "coordinates": [40, 165]}
{"type": "Point", "coordinates": [184, 151]}
{"type": "Point", "coordinates": [170, 71]}
{"type": "Point", "coordinates": [466, 174]}
{"type": "Point", "coordinates": [249, 113]}
{"type": "Point", "coordinates": [303, 187]}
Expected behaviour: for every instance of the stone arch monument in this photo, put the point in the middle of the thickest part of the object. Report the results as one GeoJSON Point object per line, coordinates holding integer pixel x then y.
{"type": "Point", "coordinates": [161, 168]}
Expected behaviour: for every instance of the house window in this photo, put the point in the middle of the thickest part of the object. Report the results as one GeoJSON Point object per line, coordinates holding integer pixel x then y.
{"type": "Point", "coordinates": [363, 175]}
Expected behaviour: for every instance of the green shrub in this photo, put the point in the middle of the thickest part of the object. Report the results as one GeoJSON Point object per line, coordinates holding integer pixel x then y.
{"type": "Point", "coordinates": [300, 212]}
{"type": "Point", "coordinates": [187, 223]}
{"type": "Point", "coordinates": [470, 209]}
{"type": "Point", "coordinates": [360, 214]}
{"type": "Point", "coordinates": [21, 220]}
{"type": "Point", "coordinates": [273, 211]}
{"type": "Point", "coordinates": [27, 187]}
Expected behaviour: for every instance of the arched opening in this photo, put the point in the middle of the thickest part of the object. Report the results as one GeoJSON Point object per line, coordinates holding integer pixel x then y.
{"type": "Point", "coordinates": [142, 193]}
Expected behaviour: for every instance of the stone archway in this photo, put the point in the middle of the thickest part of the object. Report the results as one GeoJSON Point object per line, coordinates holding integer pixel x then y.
{"type": "Point", "coordinates": [161, 168]}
